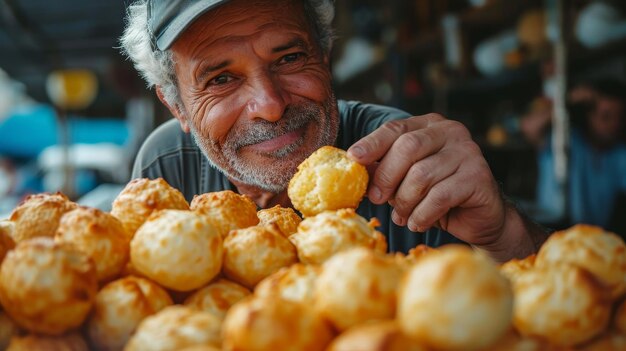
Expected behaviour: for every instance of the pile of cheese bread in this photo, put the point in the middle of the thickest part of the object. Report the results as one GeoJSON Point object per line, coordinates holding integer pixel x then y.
{"type": "Point", "coordinates": [159, 273]}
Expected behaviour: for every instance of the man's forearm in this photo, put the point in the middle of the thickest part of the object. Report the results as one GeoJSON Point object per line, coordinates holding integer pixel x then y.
{"type": "Point", "coordinates": [520, 237]}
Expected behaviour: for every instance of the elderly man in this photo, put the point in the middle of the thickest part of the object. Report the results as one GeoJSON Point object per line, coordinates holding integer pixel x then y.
{"type": "Point", "coordinates": [250, 86]}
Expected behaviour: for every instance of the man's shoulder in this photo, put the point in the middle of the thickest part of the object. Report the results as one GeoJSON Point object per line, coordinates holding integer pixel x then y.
{"type": "Point", "coordinates": [166, 140]}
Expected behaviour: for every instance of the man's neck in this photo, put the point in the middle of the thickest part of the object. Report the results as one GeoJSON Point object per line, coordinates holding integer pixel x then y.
{"type": "Point", "coordinates": [262, 198]}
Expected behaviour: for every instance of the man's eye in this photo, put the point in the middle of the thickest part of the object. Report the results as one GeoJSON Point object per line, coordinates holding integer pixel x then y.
{"type": "Point", "coordinates": [221, 79]}
{"type": "Point", "coordinates": [292, 57]}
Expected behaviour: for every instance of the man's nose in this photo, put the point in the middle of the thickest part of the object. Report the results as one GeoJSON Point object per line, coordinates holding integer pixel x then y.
{"type": "Point", "coordinates": [268, 99]}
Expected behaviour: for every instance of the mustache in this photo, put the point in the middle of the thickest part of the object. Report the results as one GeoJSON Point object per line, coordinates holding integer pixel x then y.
{"type": "Point", "coordinates": [294, 118]}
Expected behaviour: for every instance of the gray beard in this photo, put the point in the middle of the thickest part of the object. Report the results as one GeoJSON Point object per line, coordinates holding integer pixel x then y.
{"type": "Point", "coordinates": [274, 178]}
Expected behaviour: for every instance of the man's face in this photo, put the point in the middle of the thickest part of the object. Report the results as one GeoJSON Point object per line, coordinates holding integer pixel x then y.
{"type": "Point", "coordinates": [255, 90]}
{"type": "Point", "coordinates": [606, 120]}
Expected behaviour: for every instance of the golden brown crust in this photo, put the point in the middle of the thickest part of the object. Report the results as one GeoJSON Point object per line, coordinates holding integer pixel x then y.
{"type": "Point", "coordinates": [178, 249]}
{"type": "Point", "coordinates": [295, 283]}
{"type": "Point", "coordinates": [463, 301]}
{"type": "Point", "coordinates": [356, 286]}
{"type": "Point", "coordinates": [321, 236]}
{"type": "Point", "coordinates": [227, 210]}
{"type": "Point", "coordinates": [174, 328]}
{"type": "Point", "coordinates": [6, 241]}
{"type": "Point", "coordinates": [99, 235]}
{"type": "Point", "coordinates": [47, 287]}
{"type": "Point", "coordinates": [375, 336]}
{"type": "Point", "coordinates": [39, 215]}
{"type": "Point", "coordinates": [592, 248]}
{"type": "Point", "coordinates": [8, 329]}
{"type": "Point", "coordinates": [327, 180]}
{"type": "Point", "coordinates": [285, 218]}
{"type": "Point", "coordinates": [274, 324]}
{"type": "Point", "coordinates": [119, 308]}
{"type": "Point", "coordinates": [516, 267]}
{"type": "Point", "coordinates": [563, 304]}
{"type": "Point", "coordinates": [217, 298]}
{"type": "Point", "coordinates": [68, 342]}
{"type": "Point", "coordinates": [143, 196]}
{"type": "Point", "coordinates": [254, 253]}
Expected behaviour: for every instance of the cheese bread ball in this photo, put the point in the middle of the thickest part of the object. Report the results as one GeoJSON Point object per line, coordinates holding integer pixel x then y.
{"type": "Point", "coordinates": [516, 267]}
{"type": "Point", "coordinates": [285, 218]}
{"type": "Point", "coordinates": [7, 330]}
{"type": "Point", "coordinates": [295, 283]}
{"type": "Point", "coordinates": [47, 287]}
{"type": "Point", "coordinates": [6, 240]}
{"type": "Point", "coordinates": [601, 253]}
{"type": "Point", "coordinates": [39, 215]}
{"type": "Point", "coordinates": [320, 237]}
{"type": "Point", "coordinates": [375, 336]}
{"type": "Point", "coordinates": [217, 297]}
{"type": "Point", "coordinates": [254, 253]}
{"type": "Point", "coordinates": [563, 304]}
{"type": "Point", "coordinates": [174, 328]}
{"type": "Point", "coordinates": [119, 308]}
{"type": "Point", "coordinates": [143, 196]}
{"type": "Point", "coordinates": [455, 299]}
{"type": "Point", "coordinates": [327, 180]}
{"type": "Point", "coordinates": [356, 286]}
{"type": "Point", "coordinates": [227, 210]}
{"type": "Point", "coordinates": [68, 342]}
{"type": "Point", "coordinates": [178, 249]}
{"type": "Point", "coordinates": [98, 234]}
{"type": "Point", "coordinates": [274, 324]}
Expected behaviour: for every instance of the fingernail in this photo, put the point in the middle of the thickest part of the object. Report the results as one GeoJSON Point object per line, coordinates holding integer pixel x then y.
{"type": "Point", "coordinates": [357, 151]}
{"type": "Point", "coordinates": [395, 217]}
{"type": "Point", "coordinates": [375, 194]}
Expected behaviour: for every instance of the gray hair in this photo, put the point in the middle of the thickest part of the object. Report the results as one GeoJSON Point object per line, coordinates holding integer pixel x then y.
{"type": "Point", "coordinates": [157, 67]}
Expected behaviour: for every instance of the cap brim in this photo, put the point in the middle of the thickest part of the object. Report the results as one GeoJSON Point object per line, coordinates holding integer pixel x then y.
{"type": "Point", "coordinates": [188, 14]}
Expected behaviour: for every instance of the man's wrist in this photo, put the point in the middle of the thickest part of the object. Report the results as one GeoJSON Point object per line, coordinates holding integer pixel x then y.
{"type": "Point", "coordinates": [520, 236]}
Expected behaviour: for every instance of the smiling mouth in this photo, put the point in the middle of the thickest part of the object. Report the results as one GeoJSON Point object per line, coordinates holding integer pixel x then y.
{"type": "Point", "coordinates": [275, 144]}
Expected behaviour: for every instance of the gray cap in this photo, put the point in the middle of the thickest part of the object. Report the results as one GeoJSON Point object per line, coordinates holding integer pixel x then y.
{"type": "Point", "coordinates": [167, 19]}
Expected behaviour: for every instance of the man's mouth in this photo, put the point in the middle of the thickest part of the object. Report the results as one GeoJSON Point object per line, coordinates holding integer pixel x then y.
{"type": "Point", "coordinates": [275, 144]}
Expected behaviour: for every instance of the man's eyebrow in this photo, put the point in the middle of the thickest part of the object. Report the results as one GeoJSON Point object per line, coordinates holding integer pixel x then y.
{"type": "Point", "coordinates": [295, 43]}
{"type": "Point", "coordinates": [207, 70]}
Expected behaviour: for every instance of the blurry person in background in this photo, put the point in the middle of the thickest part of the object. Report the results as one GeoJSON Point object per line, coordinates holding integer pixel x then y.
{"type": "Point", "coordinates": [597, 154]}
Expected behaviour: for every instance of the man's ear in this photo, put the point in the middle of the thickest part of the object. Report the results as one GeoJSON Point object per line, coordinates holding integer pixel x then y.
{"type": "Point", "coordinates": [175, 110]}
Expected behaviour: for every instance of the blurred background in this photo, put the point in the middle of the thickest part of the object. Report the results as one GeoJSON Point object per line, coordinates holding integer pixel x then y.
{"type": "Point", "coordinates": [522, 75]}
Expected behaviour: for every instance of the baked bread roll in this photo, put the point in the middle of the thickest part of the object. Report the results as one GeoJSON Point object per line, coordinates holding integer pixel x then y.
{"type": "Point", "coordinates": [285, 218]}
{"type": "Point", "coordinates": [455, 299]}
{"type": "Point", "coordinates": [516, 267]}
{"type": "Point", "coordinates": [295, 283]}
{"type": "Point", "coordinates": [39, 215]}
{"type": "Point", "coordinates": [512, 341]}
{"type": "Point", "coordinates": [327, 180]}
{"type": "Point", "coordinates": [119, 308]}
{"type": "Point", "coordinates": [375, 336]}
{"type": "Point", "coordinates": [563, 304]}
{"type": "Point", "coordinates": [47, 287]}
{"type": "Point", "coordinates": [143, 196]}
{"type": "Point", "coordinates": [227, 210]}
{"type": "Point", "coordinates": [174, 328]}
{"type": "Point", "coordinates": [599, 252]}
{"type": "Point", "coordinates": [274, 324]}
{"type": "Point", "coordinates": [356, 286]}
{"type": "Point", "coordinates": [254, 253]}
{"type": "Point", "coordinates": [178, 249]}
{"type": "Point", "coordinates": [68, 342]}
{"type": "Point", "coordinates": [321, 236]}
{"type": "Point", "coordinates": [6, 239]}
{"type": "Point", "coordinates": [217, 298]}
{"type": "Point", "coordinates": [99, 235]}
